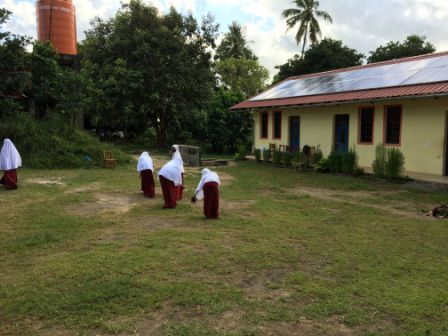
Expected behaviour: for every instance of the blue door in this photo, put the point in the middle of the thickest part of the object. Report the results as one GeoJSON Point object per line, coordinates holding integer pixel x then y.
{"type": "Point", "coordinates": [294, 134]}
{"type": "Point", "coordinates": [341, 133]}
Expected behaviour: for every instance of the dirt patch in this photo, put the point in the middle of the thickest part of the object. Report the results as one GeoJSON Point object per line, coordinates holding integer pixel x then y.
{"type": "Point", "coordinates": [264, 285]}
{"type": "Point", "coordinates": [156, 223]}
{"type": "Point", "coordinates": [85, 188]}
{"type": "Point", "coordinates": [103, 203]}
{"type": "Point", "coordinates": [44, 181]}
{"type": "Point", "coordinates": [364, 198]}
{"type": "Point", "coordinates": [236, 205]}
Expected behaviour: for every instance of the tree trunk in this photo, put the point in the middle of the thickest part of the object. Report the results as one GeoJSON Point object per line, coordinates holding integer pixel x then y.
{"type": "Point", "coordinates": [304, 43]}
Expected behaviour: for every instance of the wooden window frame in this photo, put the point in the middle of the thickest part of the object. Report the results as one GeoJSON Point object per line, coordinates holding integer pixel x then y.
{"type": "Point", "coordinates": [359, 125]}
{"type": "Point", "coordinates": [273, 125]}
{"type": "Point", "coordinates": [385, 125]}
{"type": "Point", "coordinates": [261, 125]}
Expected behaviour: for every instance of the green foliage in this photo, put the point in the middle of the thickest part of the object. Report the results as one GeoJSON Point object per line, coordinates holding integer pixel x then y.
{"type": "Point", "coordinates": [322, 166]}
{"type": "Point", "coordinates": [334, 161]}
{"type": "Point", "coordinates": [226, 129]}
{"type": "Point", "coordinates": [326, 55]}
{"type": "Point", "coordinates": [257, 153]}
{"type": "Point", "coordinates": [346, 163]}
{"type": "Point", "coordinates": [266, 155]}
{"type": "Point", "coordinates": [296, 158]}
{"type": "Point", "coordinates": [277, 157]}
{"type": "Point", "coordinates": [242, 74]}
{"type": "Point", "coordinates": [286, 158]}
{"type": "Point", "coordinates": [350, 161]}
{"type": "Point", "coordinates": [241, 154]}
{"type": "Point", "coordinates": [234, 45]}
{"type": "Point", "coordinates": [379, 164]}
{"type": "Point", "coordinates": [148, 69]}
{"type": "Point", "coordinates": [318, 155]}
{"type": "Point", "coordinates": [54, 143]}
{"type": "Point", "coordinates": [413, 45]}
{"type": "Point", "coordinates": [13, 68]}
{"type": "Point", "coordinates": [394, 166]}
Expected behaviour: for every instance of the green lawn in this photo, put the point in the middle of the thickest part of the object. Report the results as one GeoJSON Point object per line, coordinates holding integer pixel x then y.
{"type": "Point", "coordinates": [82, 252]}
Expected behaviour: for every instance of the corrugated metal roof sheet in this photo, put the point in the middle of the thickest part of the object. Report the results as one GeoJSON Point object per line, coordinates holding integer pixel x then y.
{"type": "Point", "coordinates": [438, 88]}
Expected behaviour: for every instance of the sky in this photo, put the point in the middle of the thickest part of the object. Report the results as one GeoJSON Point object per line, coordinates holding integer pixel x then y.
{"type": "Point", "coordinates": [362, 25]}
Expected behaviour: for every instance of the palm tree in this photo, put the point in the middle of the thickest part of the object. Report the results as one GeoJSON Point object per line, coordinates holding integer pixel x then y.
{"type": "Point", "coordinates": [306, 12]}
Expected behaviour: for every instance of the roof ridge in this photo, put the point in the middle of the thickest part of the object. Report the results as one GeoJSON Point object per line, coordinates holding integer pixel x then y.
{"type": "Point", "coordinates": [372, 65]}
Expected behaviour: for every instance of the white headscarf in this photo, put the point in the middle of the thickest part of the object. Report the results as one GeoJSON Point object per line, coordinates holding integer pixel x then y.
{"type": "Point", "coordinates": [207, 176]}
{"type": "Point", "coordinates": [9, 156]}
{"type": "Point", "coordinates": [177, 156]}
{"type": "Point", "coordinates": [172, 171]}
{"type": "Point", "coordinates": [145, 162]}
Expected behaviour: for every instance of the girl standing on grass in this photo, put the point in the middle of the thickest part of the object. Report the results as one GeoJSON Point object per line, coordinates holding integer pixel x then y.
{"type": "Point", "coordinates": [208, 188]}
{"type": "Point", "coordinates": [170, 177]}
{"type": "Point", "coordinates": [176, 156]}
{"type": "Point", "coordinates": [10, 160]}
{"type": "Point", "coordinates": [146, 168]}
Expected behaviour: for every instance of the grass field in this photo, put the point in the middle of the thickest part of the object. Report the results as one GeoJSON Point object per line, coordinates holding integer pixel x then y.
{"type": "Point", "coordinates": [82, 252]}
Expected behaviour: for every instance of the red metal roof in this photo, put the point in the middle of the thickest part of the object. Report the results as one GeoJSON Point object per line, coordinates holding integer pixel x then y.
{"type": "Point", "coordinates": [439, 88]}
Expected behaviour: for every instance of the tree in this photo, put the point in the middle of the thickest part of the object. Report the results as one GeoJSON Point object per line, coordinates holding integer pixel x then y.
{"type": "Point", "coordinates": [326, 55]}
{"type": "Point", "coordinates": [413, 45]}
{"type": "Point", "coordinates": [227, 129]}
{"type": "Point", "coordinates": [242, 74]}
{"type": "Point", "coordinates": [306, 13]}
{"type": "Point", "coordinates": [234, 44]}
{"type": "Point", "coordinates": [159, 65]}
{"type": "Point", "coordinates": [13, 68]}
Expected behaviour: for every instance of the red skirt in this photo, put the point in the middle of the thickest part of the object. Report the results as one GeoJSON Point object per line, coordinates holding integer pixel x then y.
{"type": "Point", "coordinates": [211, 200]}
{"type": "Point", "coordinates": [9, 179]}
{"type": "Point", "coordinates": [170, 192]}
{"type": "Point", "coordinates": [148, 185]}
{"type": "Point", "coordinates": [180, 189]}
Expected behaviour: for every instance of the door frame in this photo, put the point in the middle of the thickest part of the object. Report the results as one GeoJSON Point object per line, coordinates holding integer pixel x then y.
{"type": "Point", "coordinates": [335, 133]}
{"type": "Point", "coordinates": [289, 130]}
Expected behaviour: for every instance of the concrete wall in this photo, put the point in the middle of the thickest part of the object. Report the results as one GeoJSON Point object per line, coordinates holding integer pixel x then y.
{"type": "Point", "coordinates": [422, 133]}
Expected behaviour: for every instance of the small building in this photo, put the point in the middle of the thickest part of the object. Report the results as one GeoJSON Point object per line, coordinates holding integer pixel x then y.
{"type": "Point", "coordinates": [401, 103]}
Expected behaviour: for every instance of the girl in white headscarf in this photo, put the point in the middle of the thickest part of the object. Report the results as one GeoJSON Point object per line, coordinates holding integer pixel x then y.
{"type": "Point", "coordinates": [146, 168]}
{"type": "Point", "coordinates": [10, 160]}
{"type": "Point", "coordinates": [170, 177]}
{"type": "Point", "coordinates": [208, 188]}
{"type": "Point", "coordinates": [176, 156]}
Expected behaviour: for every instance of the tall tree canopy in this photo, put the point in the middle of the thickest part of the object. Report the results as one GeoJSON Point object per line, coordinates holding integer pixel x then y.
{"type": "Point", "coordinates": [326, 55]}
{"type": "Point", "coordinates": [234, 44]}
{"type": "Point", "coordinates": [146, 69]}
{"type": "Point", "coordinates": [413, 45]}
{"type": "Point", "coordinates": [15, 77]}
{"type": "Point", "coordinates": [305, 13]}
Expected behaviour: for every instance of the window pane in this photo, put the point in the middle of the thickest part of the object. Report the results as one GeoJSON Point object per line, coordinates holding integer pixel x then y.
{"type": "Point", "coordinates": [264, 125]}
{"type": "Point", "coordinates": [393, 125]}
{"type": "Point", "coordinates": [366, 125]}
{"type": "Point", "coordinates": [277, 125]}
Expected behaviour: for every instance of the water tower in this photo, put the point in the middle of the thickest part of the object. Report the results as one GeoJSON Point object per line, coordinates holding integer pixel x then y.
{"type": "Point", "coordinates": [56, 22]}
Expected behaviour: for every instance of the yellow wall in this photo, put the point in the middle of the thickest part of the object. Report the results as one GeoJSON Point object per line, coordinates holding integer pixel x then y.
{"type": "Point", "coordinates": [422, 132]}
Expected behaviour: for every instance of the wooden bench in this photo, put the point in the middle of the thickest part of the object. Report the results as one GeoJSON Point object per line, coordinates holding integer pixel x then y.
{"type": "Point", "coordinates": [108, 160]}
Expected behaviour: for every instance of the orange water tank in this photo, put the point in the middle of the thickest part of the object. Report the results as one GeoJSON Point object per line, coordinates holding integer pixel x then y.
{"type": "Point", "coordinates": [56, 22]}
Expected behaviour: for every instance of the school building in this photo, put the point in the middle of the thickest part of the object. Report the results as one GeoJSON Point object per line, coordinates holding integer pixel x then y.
{"type": "Point", "coordinates": [401, 103]}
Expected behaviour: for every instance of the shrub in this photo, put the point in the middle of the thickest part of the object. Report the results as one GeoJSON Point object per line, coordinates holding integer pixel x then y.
{"type": "Point", "coordinates": [334, 161]}
{"type": "Point", "coordinates": [55, 143]}
{"type": "Point", "coordinates": [241, 154]}
{"type": "Point", "coordinates": [286, 158]}
{"type": "Point", "coordinates": [349, 161]}
{"type": "Point", "coordinates": [322, 166]}
{"type": "Point", "coordinates": [394, 163]}
{"type": "Point", "coordinates": [277, 157]}
{"type": "Point", "coordinates": [257, 154]}
{"type": "Point", "coordinates": [379, 164]}
{"type": "Point", "coordinates": [266, 155]}
{"type": "Point", "coordinates": [296, 158]}
{"type": "Point", "coordinates": [318, 155]}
